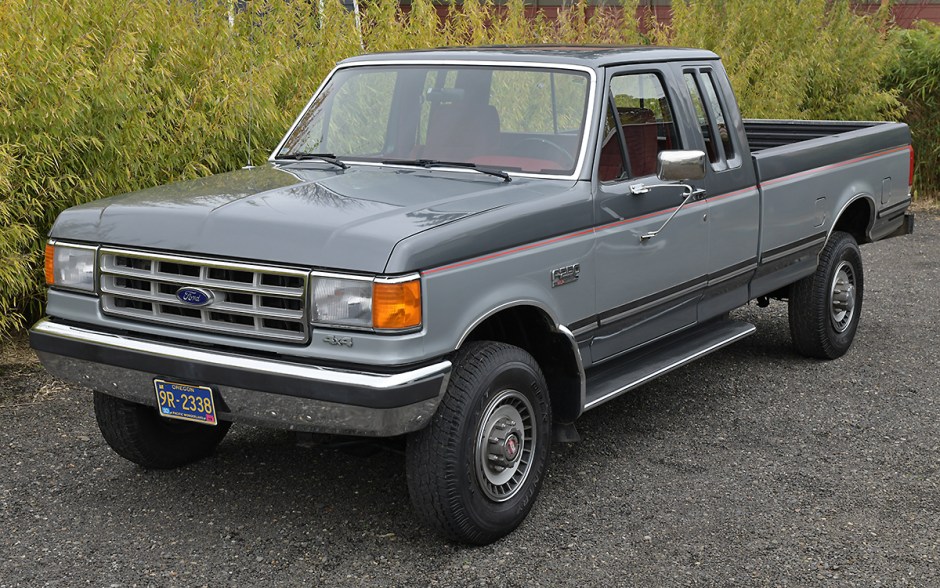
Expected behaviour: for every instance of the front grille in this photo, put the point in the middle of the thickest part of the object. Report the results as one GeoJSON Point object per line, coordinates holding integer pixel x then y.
{"type": "Point", "coordinates": [248, 300]}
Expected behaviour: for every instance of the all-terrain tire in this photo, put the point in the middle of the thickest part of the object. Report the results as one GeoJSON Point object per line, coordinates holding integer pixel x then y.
{"type": "Point", "coordinates": [137, 433]}
{"type": "Point", "coordinates": [825, 307]}
{"type": "Point", "coordinates": [496, 412]}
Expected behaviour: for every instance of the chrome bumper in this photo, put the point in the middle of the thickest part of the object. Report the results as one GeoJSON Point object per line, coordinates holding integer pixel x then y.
{"type": "Point", "coordinates": [256, 390]}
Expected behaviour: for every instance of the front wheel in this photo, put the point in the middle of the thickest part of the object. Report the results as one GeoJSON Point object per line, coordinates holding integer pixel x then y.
{"type": "Point", "coordinates": [476, 469]}
{"type": "Point", "coordinates": [825, 307]}
{"type": "Point", "coordinates": [138, 433]}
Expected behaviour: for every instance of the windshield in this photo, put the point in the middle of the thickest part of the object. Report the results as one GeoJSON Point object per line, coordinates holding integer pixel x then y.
{"type": "Point", "coordinates": [519, 119]}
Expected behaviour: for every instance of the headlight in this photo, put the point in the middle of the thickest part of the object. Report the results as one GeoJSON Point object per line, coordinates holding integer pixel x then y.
{"type": "Point", "coordinates": [392, 304]}
{"type": "Point", "coordinates": [70, 266]}
{"type": "Point", "coordinates": [342, 301]}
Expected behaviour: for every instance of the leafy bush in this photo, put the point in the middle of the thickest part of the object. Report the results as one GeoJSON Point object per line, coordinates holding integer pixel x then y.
{"type": "Point", "coordinates": [813, 59]}
{"type": "Point", "coordinates": [916, 74]}
{"type": "Point", "coordinates": [107, 96]}
{"type": "Point", "coordinates": [101, 97]}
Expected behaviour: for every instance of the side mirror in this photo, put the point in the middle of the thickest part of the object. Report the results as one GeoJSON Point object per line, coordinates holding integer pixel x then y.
{"type": "Point", "coordinates": [680, 166]}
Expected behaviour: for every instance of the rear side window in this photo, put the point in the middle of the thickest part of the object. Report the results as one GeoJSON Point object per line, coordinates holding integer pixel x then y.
{"type": "Point", "coordinates": [723, 131]}
{"type": "Point", "coordinates": [711, 119]}
{"type": "Point", "coordinates": [702, 116]}
{"type": "Point", "coordinates": [645, 117]}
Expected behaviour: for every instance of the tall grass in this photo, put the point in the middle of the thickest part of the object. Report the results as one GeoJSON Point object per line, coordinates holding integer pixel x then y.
{"type": "Point", "coordinates": [99, 97]}
{"type": "Point", "coordinates": [813, 59]}
{"type": "Point", "coordinates": [916, 73]}
{"type": "Point", "coordinates": [107, 96]}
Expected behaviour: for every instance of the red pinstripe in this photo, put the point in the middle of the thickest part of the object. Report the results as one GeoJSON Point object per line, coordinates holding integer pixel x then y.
{"type": "Point", "coordinates": [627, 221]}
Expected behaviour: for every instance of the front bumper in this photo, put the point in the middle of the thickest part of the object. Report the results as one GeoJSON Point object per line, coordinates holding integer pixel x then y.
{"type": "Point", "coordinates": [269, 392]}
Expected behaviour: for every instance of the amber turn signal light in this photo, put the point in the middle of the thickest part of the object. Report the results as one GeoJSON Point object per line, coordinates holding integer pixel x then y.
{"type": "Point", "coordinates": [49, 263]}
{"type": "Point", "coordinates": [396, 305]}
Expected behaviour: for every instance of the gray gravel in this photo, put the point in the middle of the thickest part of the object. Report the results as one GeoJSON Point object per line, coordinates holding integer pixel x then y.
{"type": "Point", "coordinates": [753, 467]}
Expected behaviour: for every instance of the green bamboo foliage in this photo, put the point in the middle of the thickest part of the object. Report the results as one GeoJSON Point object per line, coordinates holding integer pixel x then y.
{"type": "Point", "coordinates": [916, 73]}
{"type": "Point", "coordinates": [812, 59]}
{"type": "Point", "coordinates": [101, 97]}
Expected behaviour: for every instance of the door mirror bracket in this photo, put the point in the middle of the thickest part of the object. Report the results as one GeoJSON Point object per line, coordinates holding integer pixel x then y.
{"type": "Point", "coordinates": [675, 166]}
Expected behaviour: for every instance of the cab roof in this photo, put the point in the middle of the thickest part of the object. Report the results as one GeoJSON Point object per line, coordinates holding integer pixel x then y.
{"type": "Point", "coordinates": [594, 56]}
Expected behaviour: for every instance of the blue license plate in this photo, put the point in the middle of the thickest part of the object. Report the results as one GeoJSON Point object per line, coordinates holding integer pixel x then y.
{"type": "Point", "coordinates": [185, 402]}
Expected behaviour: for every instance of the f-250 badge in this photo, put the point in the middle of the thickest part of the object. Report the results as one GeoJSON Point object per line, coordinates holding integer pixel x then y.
{"type": "Point", "coordinates": [566, 275]}
{"type": "Point", "coordinates": [337, 340]}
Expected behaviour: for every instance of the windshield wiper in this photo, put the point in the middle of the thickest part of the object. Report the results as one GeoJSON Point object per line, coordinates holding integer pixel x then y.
{"type": "Point", "coordinates": [304, 156]}
{"type": "Point", "coordinates": [429, 163]}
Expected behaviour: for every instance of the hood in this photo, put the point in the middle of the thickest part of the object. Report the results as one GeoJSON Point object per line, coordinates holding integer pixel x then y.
{"type": "Point", "coordinates": [302, 214]}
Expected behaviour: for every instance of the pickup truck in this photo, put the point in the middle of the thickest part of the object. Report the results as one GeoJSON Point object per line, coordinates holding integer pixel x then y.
{"type": "Point", "coordinates": [467, 249]}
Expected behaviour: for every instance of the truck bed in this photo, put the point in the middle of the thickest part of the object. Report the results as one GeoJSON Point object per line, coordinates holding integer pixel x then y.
{"type": "Point", "coordinates": [786, 147]}
{"type": "Point", "coordinates": [806, 168]}
{"type": "Point", "coordinates": [767, 133]}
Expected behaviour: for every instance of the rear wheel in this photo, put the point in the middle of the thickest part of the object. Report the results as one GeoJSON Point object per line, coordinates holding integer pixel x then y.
{"type": "Point", "coordinates": [476, 469]}
{"type": "Point", "coordinates": [138, 433]}
{"type": "Point", "coordinates": [825, 307]}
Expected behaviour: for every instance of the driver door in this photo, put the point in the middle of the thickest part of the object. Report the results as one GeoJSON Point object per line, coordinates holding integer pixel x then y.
{"type": "Point", "coordinates": [646, 288]}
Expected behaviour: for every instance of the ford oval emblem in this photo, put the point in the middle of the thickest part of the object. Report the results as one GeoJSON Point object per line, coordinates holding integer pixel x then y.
{"type": "Point", "coordinates": [194, 296]}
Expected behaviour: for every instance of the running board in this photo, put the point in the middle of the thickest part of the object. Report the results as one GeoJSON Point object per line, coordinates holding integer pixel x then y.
{"type": "Point", "coordinates": [617, 376]}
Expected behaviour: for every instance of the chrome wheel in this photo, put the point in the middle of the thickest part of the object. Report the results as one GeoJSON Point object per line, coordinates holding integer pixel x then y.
{"type": "Point", "coordinates": [842, 296]}
{"type": "Point", "coordinates": [505, 445]}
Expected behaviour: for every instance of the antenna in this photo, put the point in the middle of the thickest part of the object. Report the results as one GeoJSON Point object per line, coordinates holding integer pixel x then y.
{"type": "Point", "coordinates": [251, 69]}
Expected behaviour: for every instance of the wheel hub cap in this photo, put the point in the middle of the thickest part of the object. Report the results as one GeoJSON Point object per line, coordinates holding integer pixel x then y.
{"type": "Point", "coordinates": [842, 297]}
{"type": "Point", "coordinates": [505, 444]}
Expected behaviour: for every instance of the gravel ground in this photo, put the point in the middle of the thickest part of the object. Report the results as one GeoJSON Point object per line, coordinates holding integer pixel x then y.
{"type": "Point", "coordinates": [752, 467]}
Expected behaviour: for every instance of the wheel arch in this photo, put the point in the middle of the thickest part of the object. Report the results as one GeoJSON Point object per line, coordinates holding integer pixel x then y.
{"type": "Point", "coordinates": [530, 326]}
{"type": "Point", "coordinates": [856, 218]}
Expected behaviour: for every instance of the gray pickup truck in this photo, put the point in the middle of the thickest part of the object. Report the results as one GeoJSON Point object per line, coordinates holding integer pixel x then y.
{"type": "Point", "coordinates": [468, 249]}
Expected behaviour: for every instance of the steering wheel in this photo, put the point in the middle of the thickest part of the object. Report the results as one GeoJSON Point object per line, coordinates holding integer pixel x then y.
{"type": "Point", "coordinates": [567, 159]}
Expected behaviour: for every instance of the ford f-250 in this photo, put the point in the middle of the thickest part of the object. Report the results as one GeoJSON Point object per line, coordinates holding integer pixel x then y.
{"type": "Point", "coordinates": [470, 248]}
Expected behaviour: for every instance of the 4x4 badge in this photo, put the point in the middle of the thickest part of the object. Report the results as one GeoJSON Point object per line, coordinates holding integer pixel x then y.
{"type": "Point", "coordinates": [337, 340]}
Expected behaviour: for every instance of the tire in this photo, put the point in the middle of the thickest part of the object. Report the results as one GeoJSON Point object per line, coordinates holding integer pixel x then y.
{"type": "Point", "coordinates": [825, 307]}
{"type": "Point", "coordinates": [137, 433]}
{"type": "Point", "coordinates": [466, 488]}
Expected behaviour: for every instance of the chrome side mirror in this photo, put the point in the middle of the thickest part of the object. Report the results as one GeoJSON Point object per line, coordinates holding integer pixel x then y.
{"type": "Point", "coordinates": [680, 166]}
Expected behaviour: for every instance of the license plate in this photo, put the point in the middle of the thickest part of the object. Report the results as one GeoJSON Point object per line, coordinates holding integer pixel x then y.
{"type": "Point", "coordinates": [185, 402]}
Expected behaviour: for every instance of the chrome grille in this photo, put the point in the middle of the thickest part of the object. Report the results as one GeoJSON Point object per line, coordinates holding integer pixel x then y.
{"type": "Point", "coordinates": [248, 300]}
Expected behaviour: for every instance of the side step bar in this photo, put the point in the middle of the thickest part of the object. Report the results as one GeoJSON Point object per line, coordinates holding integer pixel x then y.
{"type": "Point", "coordinates": [612, 379]}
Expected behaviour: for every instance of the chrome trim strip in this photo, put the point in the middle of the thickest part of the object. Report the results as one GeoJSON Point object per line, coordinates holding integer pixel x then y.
{"type": "Point", "coordinates": [236, 287]}
{"type": "Point", "coordinates": [372, 280]}
{"type": "Point", "coordinates": [889, 210]}
{"type": "Point", "coordinates": [479, 320]}
{"type": "Point", "coordinates": [731, 275]}
{"type": "Point", "coordinates": [874, 207]}
{"type": "Point", "coordinates": [216, 316]}
{"type": "Point", "coordinates": [792, 250]}
{"type": "Point", "coordinates": [588, 118]}
{"type": "Point", "coordinates": [370, 380]}
{"type": "Point", "coordinates": [577, 355]}
{"type": "Point", "coordinates": [670, 367]}
{"type": "Point", "coordinates": [95, 289]}
{"type": "Point", "coordinates": [206, 261]}
{"type": "Point", "coordinates": [665, 299]}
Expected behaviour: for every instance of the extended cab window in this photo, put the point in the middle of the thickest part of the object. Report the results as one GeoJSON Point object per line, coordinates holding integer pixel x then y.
{"type": "Point", "coordinates": [711, 119]}
{"type": "Point", "coordinates": [640, 108]}
{"type": "Point", "coordinates": [723, 131]}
